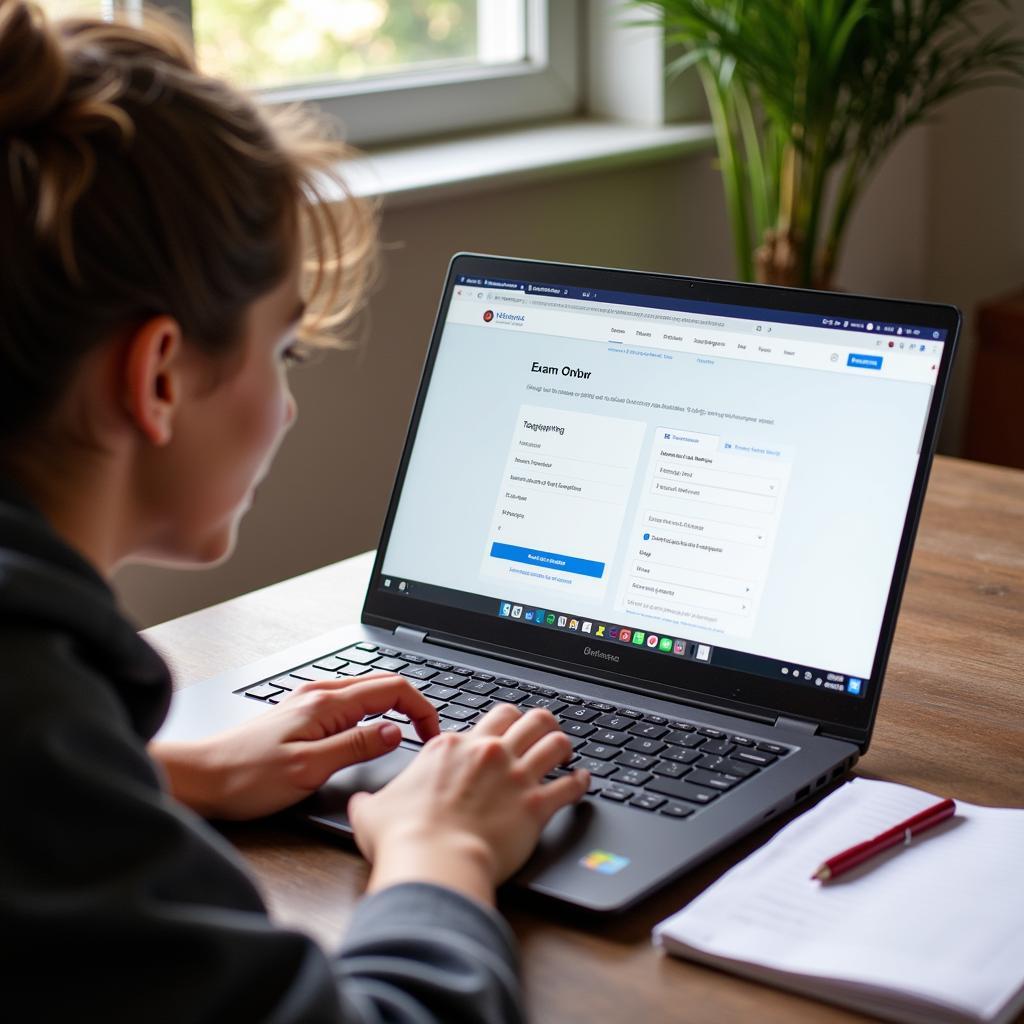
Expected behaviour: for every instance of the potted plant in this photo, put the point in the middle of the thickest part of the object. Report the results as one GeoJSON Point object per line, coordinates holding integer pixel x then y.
{"type": "Point", "coordinates": [807, 97]}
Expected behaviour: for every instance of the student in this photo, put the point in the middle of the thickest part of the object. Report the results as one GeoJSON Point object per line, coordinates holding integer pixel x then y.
{"type": "Point", "coordinates": [150, 294]}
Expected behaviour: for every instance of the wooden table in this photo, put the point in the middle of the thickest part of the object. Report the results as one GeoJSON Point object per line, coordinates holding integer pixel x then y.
{"type": "Point", "coordinates": [951, 720]}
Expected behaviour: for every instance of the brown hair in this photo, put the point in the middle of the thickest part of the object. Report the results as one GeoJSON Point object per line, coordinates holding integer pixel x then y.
{"type": "Point", "coordinates": [133, 185]}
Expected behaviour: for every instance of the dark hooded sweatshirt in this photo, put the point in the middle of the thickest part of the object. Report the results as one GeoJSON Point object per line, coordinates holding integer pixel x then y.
{"type": "Point", "coordinates": [119, 904]}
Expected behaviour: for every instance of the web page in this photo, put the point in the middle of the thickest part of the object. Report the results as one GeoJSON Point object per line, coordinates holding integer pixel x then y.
{"type": "Point", "coordinates": [741, 485]}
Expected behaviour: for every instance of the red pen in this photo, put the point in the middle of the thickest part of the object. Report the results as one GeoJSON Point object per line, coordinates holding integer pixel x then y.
{"type": "Point", "coordinates": [901, 833]}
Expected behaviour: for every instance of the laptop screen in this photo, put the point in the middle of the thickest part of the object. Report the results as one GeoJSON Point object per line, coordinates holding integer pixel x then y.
{"type": "Point", "coordinates": [708, 483]}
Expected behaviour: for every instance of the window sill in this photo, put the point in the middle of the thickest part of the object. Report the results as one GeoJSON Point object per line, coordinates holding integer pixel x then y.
{"type": "Point", "coordinates": [410, 174]}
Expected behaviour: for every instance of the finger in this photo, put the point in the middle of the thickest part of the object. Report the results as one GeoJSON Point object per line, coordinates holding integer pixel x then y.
{"type": "Point", "coordinates": [523, 734]}
{"type": "Point", "coordinates": [325, 757]}
{"type": "Point", "coordinates": [564, 791]}
{"type": "Point", "coordinates": [497, 720]}
{"type": "Point", "coordinates": [548, 752]}
{"type": "Point", "coordinates": [372, 695]}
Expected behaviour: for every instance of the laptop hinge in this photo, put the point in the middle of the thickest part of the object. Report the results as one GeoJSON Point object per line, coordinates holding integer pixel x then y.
{"type": "Point", "coordinates": [798, 724]}
{"type": "Point", "coordinates": [409, 636]}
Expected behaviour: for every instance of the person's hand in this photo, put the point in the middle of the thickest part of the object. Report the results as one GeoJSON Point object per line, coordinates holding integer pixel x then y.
{"type": "Point", "coordinates": [276, 759]}
{"type": "Point", "coordinates": [468, 811]}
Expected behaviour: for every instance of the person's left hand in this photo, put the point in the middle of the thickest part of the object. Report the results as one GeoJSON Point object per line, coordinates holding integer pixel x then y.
{"type": "Point", "coordinates": [280, 757]}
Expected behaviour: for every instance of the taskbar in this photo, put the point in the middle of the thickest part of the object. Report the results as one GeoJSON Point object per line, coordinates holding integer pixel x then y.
{"type": "Point", "coordinates": [694, 651]}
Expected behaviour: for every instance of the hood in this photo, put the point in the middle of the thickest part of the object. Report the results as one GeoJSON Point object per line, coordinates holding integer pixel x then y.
{"type": "Point", "coordinates": [46, 585]}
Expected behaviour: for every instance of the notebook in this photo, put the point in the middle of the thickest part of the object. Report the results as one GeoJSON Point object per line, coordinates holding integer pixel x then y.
{"type": "Point", "coordinates": [930, 933]}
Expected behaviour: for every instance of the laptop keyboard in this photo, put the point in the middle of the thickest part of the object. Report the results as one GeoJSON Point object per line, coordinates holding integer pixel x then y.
{"type": "Point", "coordinates": [662, 765]}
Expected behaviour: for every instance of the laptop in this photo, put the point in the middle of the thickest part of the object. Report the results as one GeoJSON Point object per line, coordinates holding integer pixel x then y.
{"type": "Point", "coordinates": [678, 513]}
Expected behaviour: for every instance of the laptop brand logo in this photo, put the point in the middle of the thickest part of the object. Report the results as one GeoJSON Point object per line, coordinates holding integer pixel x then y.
{"type": "Point", "coordinates": [591, 652]}
{"type": "Point", "coordinates": [603, 862]}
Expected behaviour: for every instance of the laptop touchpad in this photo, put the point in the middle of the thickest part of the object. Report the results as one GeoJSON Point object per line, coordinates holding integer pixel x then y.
{"type": "Point", "coordinates": [327, 807]}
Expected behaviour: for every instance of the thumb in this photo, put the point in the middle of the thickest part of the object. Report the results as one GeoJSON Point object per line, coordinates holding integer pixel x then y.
{"type": "Point", "coordinates": [352, 746]}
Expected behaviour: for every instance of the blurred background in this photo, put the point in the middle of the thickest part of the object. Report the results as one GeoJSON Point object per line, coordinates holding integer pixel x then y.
{"type": "Point", "coordinates": [549, 130]}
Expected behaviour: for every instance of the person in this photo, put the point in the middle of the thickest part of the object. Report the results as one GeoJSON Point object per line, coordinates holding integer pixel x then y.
{"type": "Point", "coordinates": [152, 290]}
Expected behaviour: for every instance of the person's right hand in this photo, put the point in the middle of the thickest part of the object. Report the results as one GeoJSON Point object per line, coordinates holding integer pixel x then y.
{"type": "Point", "coordinates": [468, 811]}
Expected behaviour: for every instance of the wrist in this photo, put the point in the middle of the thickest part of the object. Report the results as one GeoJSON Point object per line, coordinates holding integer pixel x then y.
{"type": "Point", "coordinates": [192, 776]}
{"type": "Point", "coordinates": [459, 861]}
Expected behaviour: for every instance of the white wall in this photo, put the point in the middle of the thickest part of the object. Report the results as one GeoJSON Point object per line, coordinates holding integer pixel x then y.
{"type": "Point", "coordinates": [326, 497]}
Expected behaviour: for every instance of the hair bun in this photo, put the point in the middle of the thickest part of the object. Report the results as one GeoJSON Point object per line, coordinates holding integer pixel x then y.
{"type": "Point", "coordinates": [33, 69]}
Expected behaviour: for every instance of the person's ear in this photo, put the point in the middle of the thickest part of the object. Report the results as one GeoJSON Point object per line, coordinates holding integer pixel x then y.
{"type": "Point", "coordinates": [153, 377]}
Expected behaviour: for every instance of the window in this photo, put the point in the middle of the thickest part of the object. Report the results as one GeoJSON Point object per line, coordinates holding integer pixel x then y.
{"type": "Point", "coordinates": [388, 69]}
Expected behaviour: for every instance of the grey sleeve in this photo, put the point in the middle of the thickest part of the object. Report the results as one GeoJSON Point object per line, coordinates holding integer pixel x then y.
{"type": "Point", "coordinates": [423, 954]}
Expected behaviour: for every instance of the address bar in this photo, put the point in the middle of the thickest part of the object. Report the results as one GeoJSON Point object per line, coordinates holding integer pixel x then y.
{"type": "Point", "coordinates": [607, 311]}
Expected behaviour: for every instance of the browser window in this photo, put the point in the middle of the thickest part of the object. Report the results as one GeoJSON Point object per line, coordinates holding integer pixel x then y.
{"type": "Point", "coordinates": [710, 483]}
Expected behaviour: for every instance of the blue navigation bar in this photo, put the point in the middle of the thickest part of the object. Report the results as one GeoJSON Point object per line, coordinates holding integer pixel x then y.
{"type": "Point", "coordinates": [548, 560]}
{"type": "Point", "coordinates": [864, 362]}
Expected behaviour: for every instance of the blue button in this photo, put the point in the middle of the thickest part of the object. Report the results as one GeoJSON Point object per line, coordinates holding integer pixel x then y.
{"type": "Point", "coordinates": [864, 362]}
{"type": "Point", "coordinates": [548, 560]}
{"type": "Point", "coordinates": [853, 685]}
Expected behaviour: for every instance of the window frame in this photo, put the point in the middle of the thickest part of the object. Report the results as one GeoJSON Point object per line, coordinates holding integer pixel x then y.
{"type": "Point", "coordinates": [397, 107]}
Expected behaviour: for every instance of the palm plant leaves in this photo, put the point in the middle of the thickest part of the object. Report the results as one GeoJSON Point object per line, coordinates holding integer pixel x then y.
{"type": "Point", "coordinates": [800, 90]}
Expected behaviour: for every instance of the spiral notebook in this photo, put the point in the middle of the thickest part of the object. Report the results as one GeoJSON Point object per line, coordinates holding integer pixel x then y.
{"type": "Point", "coordinates": [933, 932]}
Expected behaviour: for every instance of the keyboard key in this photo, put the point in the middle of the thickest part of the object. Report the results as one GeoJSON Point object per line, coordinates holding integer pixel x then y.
{"type": "Point", "coordinates": [647, 801]}
{"type": "Point", "coordinates": [540, 701]}
{"type": "Point", "coordinates": [388, 665]}
{"type": "Point", "coordinates": [612, 737]}
{"type": "Point", "coordinates": [528, 687]}
{"type": "Point", "coordinates": [685, 739]}
{"type": "Point", "coordinates": [717, 747]}
{"type": "Point", "coordinates": [676, 810]}
{"type": "Point", "coordinates": [670, 769]}
{"type": "Point", "coordinates": [442, 692]}
{"type": "Point", "coordinates": [629, 713]}
{"type": "Point", "coordinates": [415, 659]}
{"type": "Point", "coordinates": [419, 672]}
{"type": "Point", "coordinates": [680, 755]}
{"type": "Point", "coordinates": [576, 728]}
{"type": "Point", "coordinates": [449, 679]}
{"type": "Point", "coordinates": [388, 652]}
{"type": "Point", "coordinates": [629, 759]}
{"type": "Point", "coordinates": [734, 767]}
{"type": "Point", "coordinates": [579, 714]}
{"type": "Point", "coordinates": [302, 675]}
{"type": "Point", "coordinates": [546, 691]}
{"type": "Point", "coordinates": [364, 646]}
{"type": "Point", "coordinates": [715, 734]}
{"type": "Point", "coordinates": [330, 664]}
{"type": "Point", "coordinates": [681, 726]}
{"type": "Point", "coordinates": [631, 776]}
{"type": "Point", "coordinates": [656, 719]}
{"type": "Point", "coordinates": [614, 722]}
{"type": "Point", "coordinates": [471, 700]}
{"type": "Point", "coordinates": [599, 769]}
{"type": "Point", "coordinates": [396, 716]}
{"type": "Point", "coordinates": [569, 698]}
{"type": "Point", "coordinates": [599, 705]}
{"type": "Point", "coordinates": [484, 677]}
{"type": "Point", "coordinates": [508, 694]}
{"type": "Point", "coordinates": [450, 725]}
{"type": "Point", "coordinates": [762, 760]}
{"type": "Point", "coordinates": [356, 670]}
{"type": "Point", "coordinates": [773, 748]}
{"type": "Point", "coordinates": [458, 714]}
{"type": "Point", "coordinates": [262, 691]}
{"type": "Point", "coordinates": [642, 746]}
{"type": "Point", "coordinates": [620, 796]}
{"type": "Point", "coordinates": [742, 741]}
{"type": "Point", "coordinates": [481, 686]}
{"type": "Point", "coordinates": [358, 655]}
{"type": "Point", "coordinates": [711, 764]}
{"type": "Point", "coordinates": [680, 789]}
{"type": "Point", "coordinates": [601, 751]}
{"type": "Point", "coordinates": [713, 779]}
{"type": "Point", "coordinates": [648, 729]}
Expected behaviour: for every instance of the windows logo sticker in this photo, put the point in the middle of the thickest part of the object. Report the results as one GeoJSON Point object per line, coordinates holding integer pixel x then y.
{"type": "Point", "coordinates": [603, 862]}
